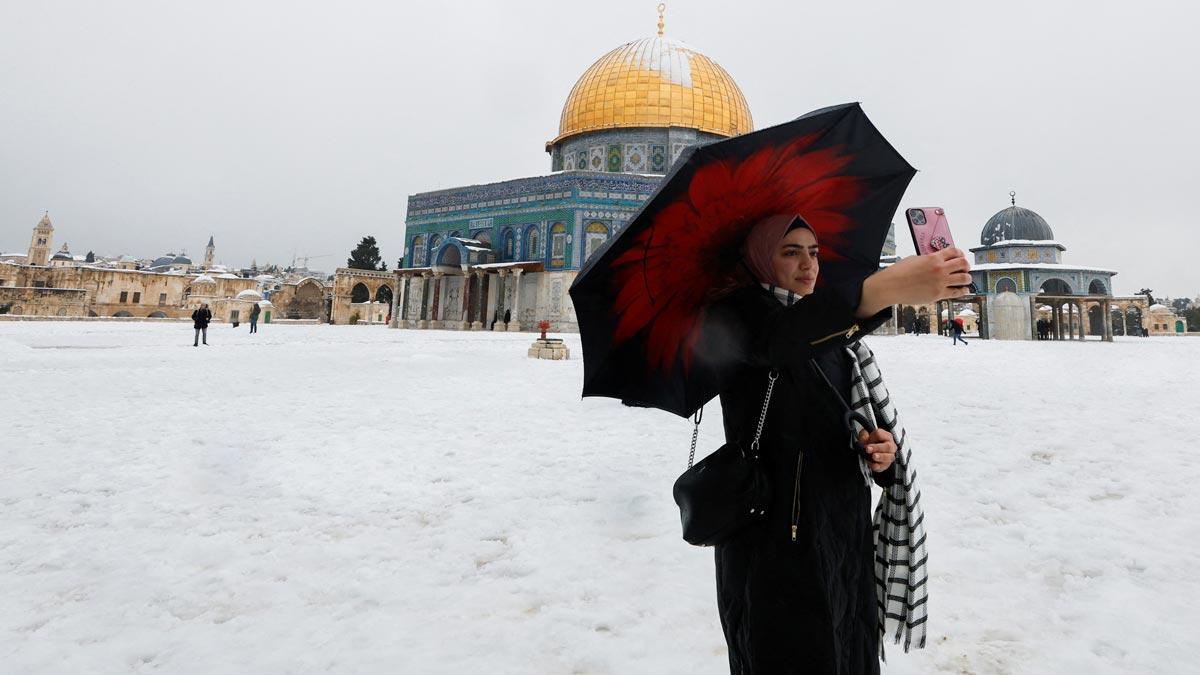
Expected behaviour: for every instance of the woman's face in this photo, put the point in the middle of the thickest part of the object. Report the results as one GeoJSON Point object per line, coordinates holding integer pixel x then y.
{"type": "Point", "coordinates": [796, 263]}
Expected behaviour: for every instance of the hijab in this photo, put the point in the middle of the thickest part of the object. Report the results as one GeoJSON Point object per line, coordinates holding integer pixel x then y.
{"type": "Point", "coordinates": [763, 241]}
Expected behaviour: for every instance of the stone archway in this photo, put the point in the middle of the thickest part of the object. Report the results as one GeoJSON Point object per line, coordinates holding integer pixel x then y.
{"type": "Point", "coordinates": [384, 294]}
{"type": "Point", "coordinates": [1056, 286]}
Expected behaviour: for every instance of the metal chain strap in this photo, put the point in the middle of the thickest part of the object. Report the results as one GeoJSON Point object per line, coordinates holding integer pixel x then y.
{"type": "Point", "coordinates": [762, 417]}
{"type": "Point", "coordinates": [695, 434]}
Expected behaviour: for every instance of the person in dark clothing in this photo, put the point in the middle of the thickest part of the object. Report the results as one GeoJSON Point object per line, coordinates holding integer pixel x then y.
{"type": "Point", "coordinates": [956, 329]}
{"type": "Point", "coordinates": [507, 316]}
{"type": "Point", "coordinates": [254, 312]}
{"type": "Point", "coordinates": [200, 319]}
{"type": "Point", "coordinates": [796, 591]}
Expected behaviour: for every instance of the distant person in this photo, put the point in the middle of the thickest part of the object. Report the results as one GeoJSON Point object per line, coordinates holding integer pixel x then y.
{"type": "Point", "coordinates": [956, 330]}
{"type": "Point", "coordinates": [507, 316]}
{"type": "Point", "coordinates": [254, 312]}
{"type": "Point", "coordinates": [200, 319]}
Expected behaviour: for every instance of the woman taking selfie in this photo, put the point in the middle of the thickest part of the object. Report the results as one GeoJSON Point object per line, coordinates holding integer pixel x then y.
{"type": "Point", "coordinates": [798, 591]}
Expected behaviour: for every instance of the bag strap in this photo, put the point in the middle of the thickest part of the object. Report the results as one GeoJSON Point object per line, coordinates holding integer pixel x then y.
{"type": "Point", "coordinates": [762, 419]}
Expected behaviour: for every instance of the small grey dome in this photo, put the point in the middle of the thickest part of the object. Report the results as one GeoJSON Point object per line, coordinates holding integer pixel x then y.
{"type": "Point", "coordinates": [1015, 222]}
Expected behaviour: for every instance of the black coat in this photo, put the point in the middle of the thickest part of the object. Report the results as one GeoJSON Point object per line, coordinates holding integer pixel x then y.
{"type": "Point", "coordinates": [201, 317]}
{"type": "Point", "coordinates": [808, 605]}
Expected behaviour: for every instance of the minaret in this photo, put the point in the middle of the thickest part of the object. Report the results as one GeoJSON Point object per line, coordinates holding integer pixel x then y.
{"type": "Point", "coordinates": [208, 254]}
{"type": "Point", "coordinates": [39, 245]}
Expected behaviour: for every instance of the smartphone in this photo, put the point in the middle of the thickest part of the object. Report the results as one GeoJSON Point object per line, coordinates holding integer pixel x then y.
{"type": "Point", "coordinates": [931, 232]}
{"type": "Point", "coordinates": [930, 229]}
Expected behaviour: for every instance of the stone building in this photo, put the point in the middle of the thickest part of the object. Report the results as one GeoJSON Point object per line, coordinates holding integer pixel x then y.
{"type": "Point", "coordinates": [1018, 267]}
{"type": "Point", "coordinates": [476, 255]}
{"type": "Point", "coordinates": [81, 290]}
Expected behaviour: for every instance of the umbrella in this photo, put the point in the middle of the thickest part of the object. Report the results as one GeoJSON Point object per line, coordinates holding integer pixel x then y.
{"type": "Point", "coordinates": [641, 299]}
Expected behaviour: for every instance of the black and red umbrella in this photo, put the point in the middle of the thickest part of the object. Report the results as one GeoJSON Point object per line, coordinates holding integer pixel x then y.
{"type": "Point", "coordinates": [641, 300]}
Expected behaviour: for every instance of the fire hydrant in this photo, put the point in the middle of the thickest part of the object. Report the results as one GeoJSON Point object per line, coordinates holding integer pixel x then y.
{"type": "Point", "coordinates": [543, 326]}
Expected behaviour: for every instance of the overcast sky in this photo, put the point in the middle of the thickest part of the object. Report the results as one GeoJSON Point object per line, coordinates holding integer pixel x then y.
{"type": "Point", "coordinates": [299, 127]}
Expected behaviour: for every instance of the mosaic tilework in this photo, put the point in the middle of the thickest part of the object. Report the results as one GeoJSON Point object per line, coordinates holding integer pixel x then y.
{"type": "Point", "coordinates": [635, 157]}
{"type": "Point", "coordinates": [596, 158]}
{"type": "Point", "coordinates": [615, 161]}
{"type": "Point", "coordinates": [658, 158]}
{"type": "Point", "coordinates": [676, 149]}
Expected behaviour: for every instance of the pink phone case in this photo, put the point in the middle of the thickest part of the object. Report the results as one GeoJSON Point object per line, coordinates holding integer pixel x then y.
{"type": "Point", "coordinates": [930, 229]}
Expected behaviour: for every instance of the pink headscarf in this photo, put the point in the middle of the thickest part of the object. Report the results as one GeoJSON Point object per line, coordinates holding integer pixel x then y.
{"type": "Point", "coordinates": [764, 241]}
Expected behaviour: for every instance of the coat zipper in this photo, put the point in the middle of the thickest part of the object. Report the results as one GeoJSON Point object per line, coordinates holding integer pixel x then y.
{"type": "Point", "coordinates": [796, 495]}
{"type": "Point", "coordinates": [847, 333]}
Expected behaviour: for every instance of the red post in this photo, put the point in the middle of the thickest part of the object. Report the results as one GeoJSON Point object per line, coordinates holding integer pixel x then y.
{"type": "Point", "coordinates": [544, 326]}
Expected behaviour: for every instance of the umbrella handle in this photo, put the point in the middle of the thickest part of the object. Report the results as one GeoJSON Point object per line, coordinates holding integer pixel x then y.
{"type": "Point", "coordinates": [850, 418]}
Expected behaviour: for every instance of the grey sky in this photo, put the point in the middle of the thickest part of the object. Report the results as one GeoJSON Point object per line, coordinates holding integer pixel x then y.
{"type": "Point", "coordinates": [301, 126]}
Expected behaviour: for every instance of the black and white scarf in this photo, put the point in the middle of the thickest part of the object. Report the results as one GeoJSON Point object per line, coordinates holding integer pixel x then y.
{"type": "Point", "coordinates": [901, 581]}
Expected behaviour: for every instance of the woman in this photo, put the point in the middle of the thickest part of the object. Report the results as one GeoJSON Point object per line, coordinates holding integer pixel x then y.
{"type": "Point", "coordinates": [796, 592]}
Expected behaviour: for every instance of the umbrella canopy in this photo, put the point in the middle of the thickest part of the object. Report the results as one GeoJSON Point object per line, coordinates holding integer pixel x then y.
{"type": "Point", "coordinates": [641, 299]}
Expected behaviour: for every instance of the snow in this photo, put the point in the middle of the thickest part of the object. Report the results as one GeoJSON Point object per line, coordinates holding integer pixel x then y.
{"type": "Point", "coordinates": [1038, 266]}
{"type": "Point", "coordinates": [1023, 242]}
{"type": "Point", "coordinates": [356, 499]}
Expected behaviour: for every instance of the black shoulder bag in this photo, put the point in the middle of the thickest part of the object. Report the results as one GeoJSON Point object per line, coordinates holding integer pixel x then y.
{"type": "Point", "coordinates": [725, 491]}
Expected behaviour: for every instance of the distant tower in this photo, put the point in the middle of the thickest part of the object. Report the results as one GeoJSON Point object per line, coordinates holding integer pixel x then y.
{"type": "Point", "coordinates": [39, 245]}
{"type": "Point", "coordinates": [208, 254]}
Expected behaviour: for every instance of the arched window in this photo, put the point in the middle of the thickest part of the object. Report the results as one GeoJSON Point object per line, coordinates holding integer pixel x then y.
{"type": "Point", "coordinates": [532, 252]}
{"type": "Point", "coordinates": [509, 245]}
{"type": "Point", "coordinates": [360, 293]}
{"type": "Point", "coordinates": [1006, 285]}
{"type": "Point", "coordinates": [418, 250]}
{"type": "Point", "coordinates": [594, 237]}
{"type": "Point", "coordinates": [1097, 288]}
{"type": "Point", "coordinates": [1056, 287]}
{"type": "Point", "coordinates": [558, 245]}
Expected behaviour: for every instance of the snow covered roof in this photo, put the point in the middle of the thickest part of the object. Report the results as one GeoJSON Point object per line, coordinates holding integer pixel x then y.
{"type": "Point", "coordinates": [967, 312]}
{"type": "Point", "coordinates": [227, 275]}
{"type": "Point", "coordinates": [249, 294]}
{"type": "Point", "coordinates": [1159, 307]}
{"type": "Point", "coordinates": [983, 267]}
{"type": "Point", "coordinates": [204, 279]}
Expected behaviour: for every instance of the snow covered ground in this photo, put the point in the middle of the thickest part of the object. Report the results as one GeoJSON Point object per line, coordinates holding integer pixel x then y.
{"type": "Point", "coordinates": [364, 500]}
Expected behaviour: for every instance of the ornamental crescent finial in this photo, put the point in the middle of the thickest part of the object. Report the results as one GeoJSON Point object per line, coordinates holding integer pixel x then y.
{"type": "Point", "coordinates": [662, 8]}
{"type": "Point", "coordinates": [1012, 195]}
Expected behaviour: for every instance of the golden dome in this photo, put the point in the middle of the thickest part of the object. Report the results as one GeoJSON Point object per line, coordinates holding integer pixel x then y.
{"type": "Point", "coordinates": [655, 82]}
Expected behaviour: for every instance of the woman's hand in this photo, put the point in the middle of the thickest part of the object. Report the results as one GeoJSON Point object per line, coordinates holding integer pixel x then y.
{"type": "Point", "coordinates": [880, 448]}
{"type": "Point", "coordinates": [916, 280]}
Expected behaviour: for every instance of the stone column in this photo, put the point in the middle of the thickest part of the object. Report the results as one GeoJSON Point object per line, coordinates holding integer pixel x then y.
{"type": "Point", "coordinates": [435, 302]}
{"type": "Point", "coordinates": [395, 311]}
{"type": "Point", "coordinates": [422, 321]}
{"type": "Point", "coordinates": [501, 288]}
{"type": "Point", "coordinates": [464, 321]}
{"type": "Point", "coordinates": [401, 312]}
{"type": "Point", "coordinates": [1033, 317]}
{"type": "Point", "coordinates": [480, 301]}
{"type": "Point", "coordinates": [515, 325]}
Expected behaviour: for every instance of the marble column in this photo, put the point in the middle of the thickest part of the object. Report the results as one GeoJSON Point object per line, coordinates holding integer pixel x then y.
{"type": "Point", "coordinates": [435, 302]}
{"type": "Point", "coordinates": [464, 321]}
{"type": "Point", "coordinates": [501, 289]}
{"type": "Point", "coordinates": [515, 325]}
{"type": "Point", "coordinates": [480, 301]}
{"type": "Point", "coordinates": [422, 321]}
{"type": "Point", "coordinates": [396, 305]}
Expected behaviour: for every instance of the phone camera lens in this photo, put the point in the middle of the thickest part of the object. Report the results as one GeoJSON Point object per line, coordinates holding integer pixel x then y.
{"type": "Point", "coordinates": [917, 216]}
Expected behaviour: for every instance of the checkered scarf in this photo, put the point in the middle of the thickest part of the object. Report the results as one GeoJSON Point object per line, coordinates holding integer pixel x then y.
{"type": "Point", "coordinates": [901, 576]}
